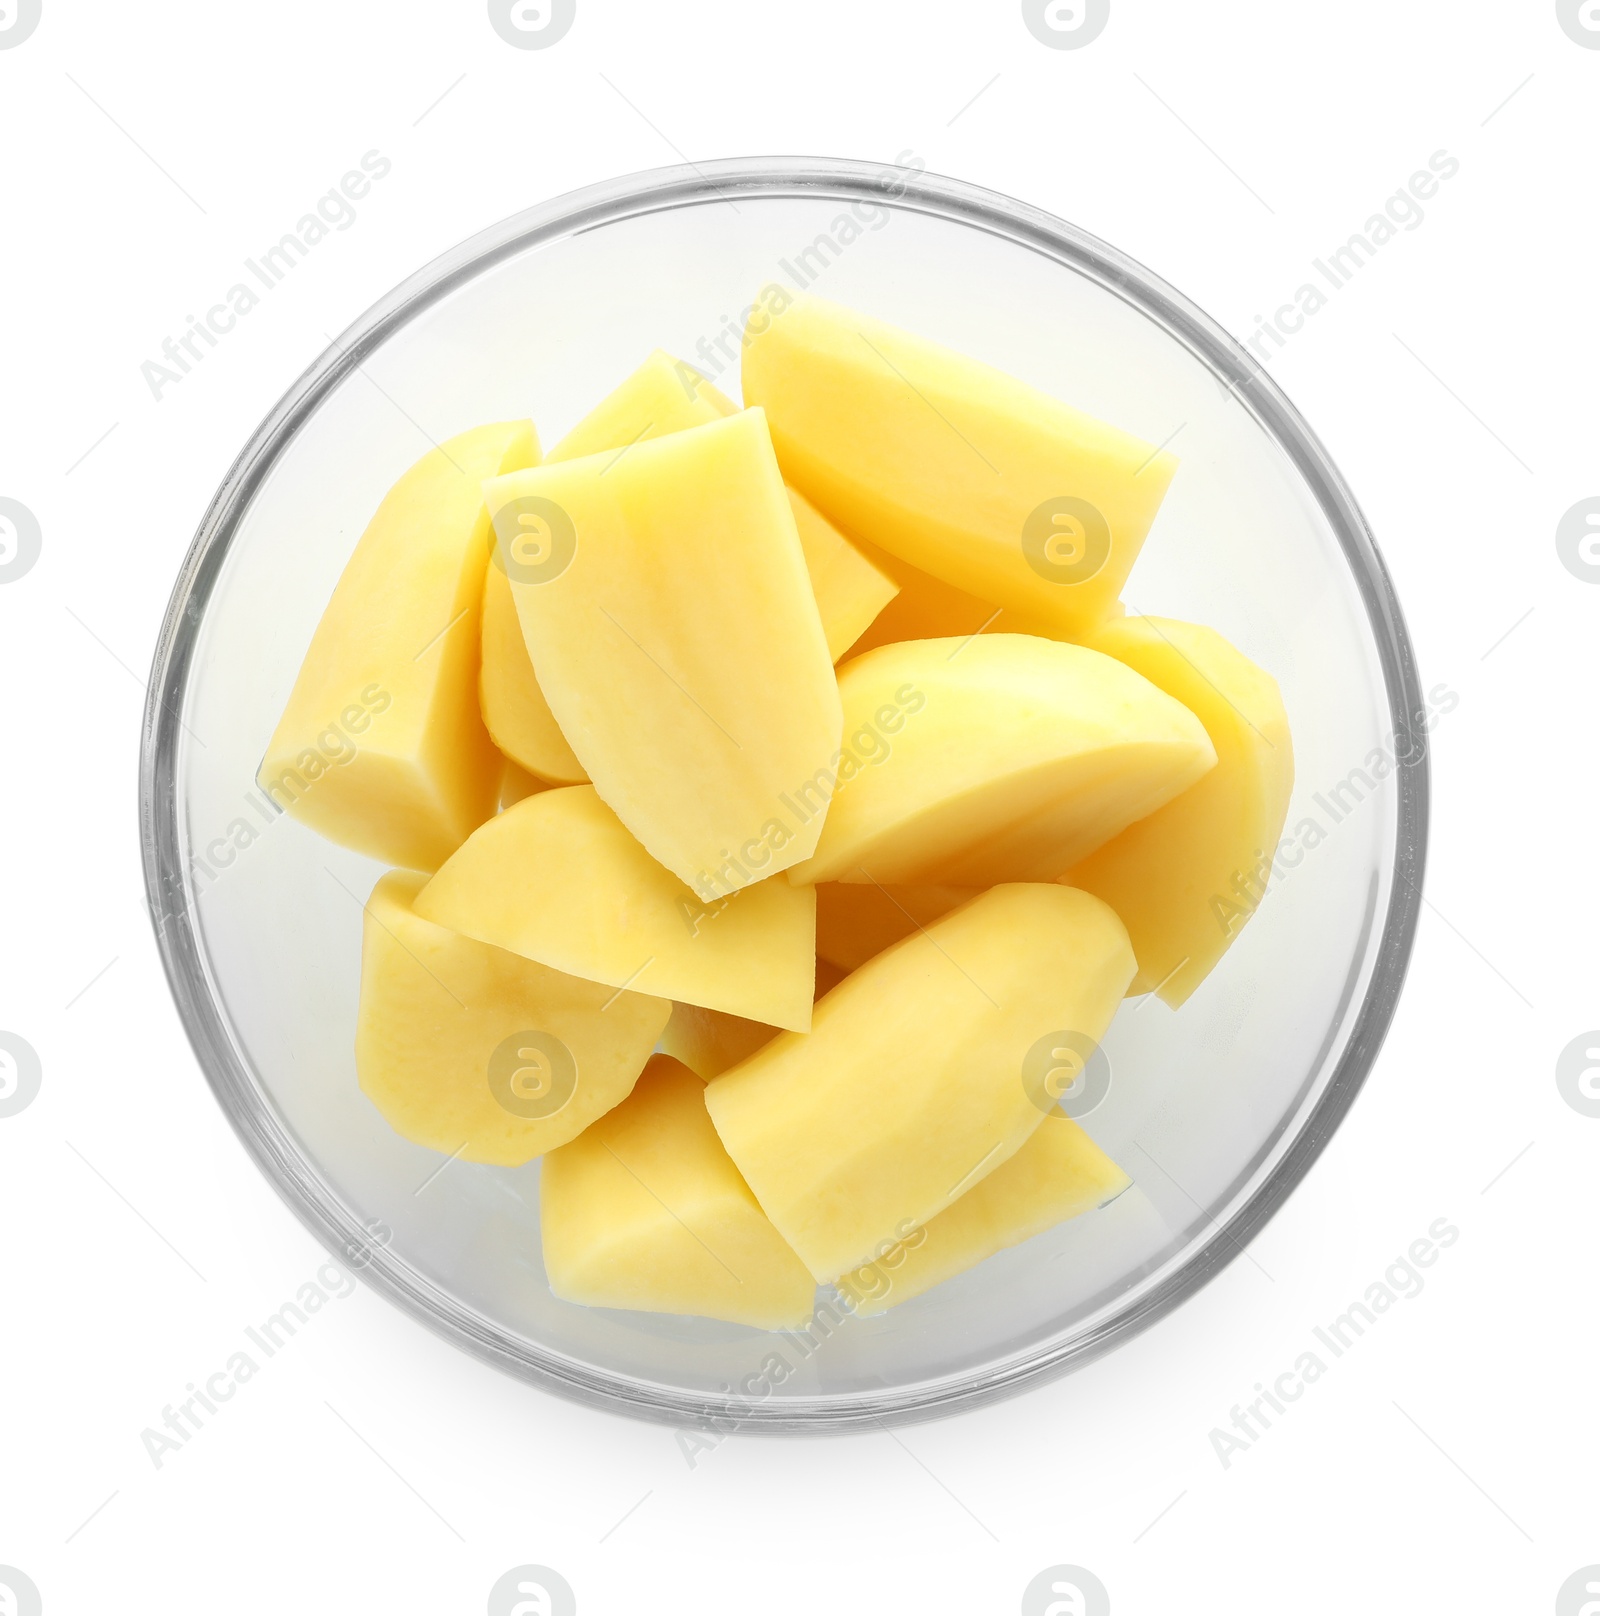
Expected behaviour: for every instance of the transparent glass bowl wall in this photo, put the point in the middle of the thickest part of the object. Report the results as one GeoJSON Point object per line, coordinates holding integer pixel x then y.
{"type": "Point", "coordinates": [1215, 1110]}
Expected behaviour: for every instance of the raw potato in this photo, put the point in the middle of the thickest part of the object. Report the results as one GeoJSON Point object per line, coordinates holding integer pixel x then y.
{"type": "Point", "coordinates": [1004, 758]}
{"type": "Point", "coordinates": [959, 469]}
{"type": "Point", "coordinates": [854, 922]}
{"type": "Point", "coordinates": [915, 1080]}
{"type": "Point", "coordinates": [850, 590]}
{"type": "Point", "coordinates": [708, 1042]}
{"type": "Point", "coordinates": [1186, 879]}
{"type": "Point", "coordinates": [515, 712]}
{"type": "Point", "coordinates": [664, 395]}
{"type": "Point", "coordinates": [433, 1049]}
{"type": "Point", "coordinates": [557, 879]}
{"type": "Point", "coordinates": [1059, 1173]}
{"type": "Point", "coordinates": [516, 783]}
{"type": "Point", "coordinates": [691, 736]}
{"type": "Point", "coordinates": [381, 746]}
{"type": "Point", "coordinates": [645, 1211]}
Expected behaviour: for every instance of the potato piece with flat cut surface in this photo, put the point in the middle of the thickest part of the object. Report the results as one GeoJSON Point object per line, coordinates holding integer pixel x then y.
{"type": "Point", "coordinates": [558, 879]}
{"type": "Point", "coordinates": [854, 922]}
{"type": "Point", "coordinates": [665, 603]}
{"type": "Point", "coordinates": [381, 746]}
{"type": "Point", "coordinates": [645, 1211]}
{"type": "Point", "coordinates": [965, 472]}
{"type": "Point", "coordinates": [1008, 758]}
{"type": "Point", "coordinates": [708, 1042]}
{"type": "Point", "coordinates": [663, 395]}
{"type": "Point", "coordinates": [850, 591]}
{"type": "Point", "coordinates": [482, 1054]}
{"type": "Point", "coordinates": [916, 1079]}
{"type": "Point", "coordinates": [514, 709]}
{"type": "Point", "coordinates": [1187, 878]}
{"type": "Point", "coordinates": [1059, 1173]}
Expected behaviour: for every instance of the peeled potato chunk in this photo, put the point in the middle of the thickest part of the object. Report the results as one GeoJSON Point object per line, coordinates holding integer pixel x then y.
{"type": "Point", "coordinates": [381, 746]}
{"type": "Point", "coordinates": [959, 469]}
{"type": "Point", "coordinates": [708, 1042]}
{"type": "Point", "coordinates": [854, 922]}
{"type": "Point", "coordinates": [646, 1211]}
{"type": "Point", "coordinates": [850, 590]}
{"type": "Point", "coordinates": [663, 395]}
{"type": "Point", "coordinates": [1058, 1173]}
{"type": "Point", "coordinates": [1003, 758]}
{"type": "Point", "coordinates": [516, 783]}
{"type": "Point", "coordinates": [917, 1078]}
{"type": "Point", "coordinates": [479, 1053]}
{"type": "Point", "coordinates": [515, 712]}
{"type": "Point", "coordinates": [665, 603]}
{"type": "Point", "coordinates": [927, 608]}
{"type": "Point", "coordinates": [557, 878]}
{"type": "Point", "coordinates": [1187, 878]}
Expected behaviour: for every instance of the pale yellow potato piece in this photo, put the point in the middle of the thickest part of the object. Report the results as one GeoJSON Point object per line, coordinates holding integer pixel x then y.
{"type": "Point", "coordinates": [916, 1079]}
{"type": "Point", "coordinates": [959, 469]}
{"type": "Point", "coordinates": [1187, 878]}
{"type": "Point", "coordinates": [645, 1211]}
{"type": "Point", "coordinates": [1058, 1173]}
{"type": "Point", "coordinates": [1004, 758]}
{"type": "Point", "coordinates": [673, 630]}
{"type": "Point", "coordinates": [438, 1030]}
{"type": "Point", "coordinates": [381, 746]}
{"type": "Point", "coordinates": [556, 878]}
{"type": "Point", "coordinates": [663, 395]}
{"type": "Point", "coordinates": [850, 591]}
{"type": "Point", "coordinates": [516, 783]}
{"type": "Point", "coordinates": [927, 608]}
{"type": "Point", "coordinates": [515, 712]}
{"type": "Point", "coordinates": [708, 1042]}
{"type": "Point", "coordinates": [854, 922]}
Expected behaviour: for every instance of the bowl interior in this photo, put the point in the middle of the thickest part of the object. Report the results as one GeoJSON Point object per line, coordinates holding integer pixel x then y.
{"type": "Point", "coordinates": [1207, 1108]}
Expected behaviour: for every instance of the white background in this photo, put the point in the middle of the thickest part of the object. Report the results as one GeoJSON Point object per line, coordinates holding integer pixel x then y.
{"type": "Point", "coordinates": [1449, 1460]}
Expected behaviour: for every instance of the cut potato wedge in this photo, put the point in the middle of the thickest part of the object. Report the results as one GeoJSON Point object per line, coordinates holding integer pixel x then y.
{"type": "Point", "coordinates": [1187, 878]}
{"type": "Point", "coordinates": [691, 737]}
{"type": "Point", "coordinates": [663, 395]}
{"type": "Point", "coordinates": [516, 783]}
{"type": "Point", "coordinates": [1004, 758]}
{"type": "Point", "coordinates": [557, 879]}
{"type": "Point", "coordinates": [1058, 1173]}
{"type": "Point", "coordinates": [481, 1054]}
{"type": "Point", "coordinates": [515, 712]}
{"type": "Point", "coordinates": [855, 922]}
{"type": "Point", "coordinates": [708, 1042]}
{"type": "Point", "coordinates": [959, 469]}
{"type": "Point", "coordinates": [646, 1211]}
{"type": "Point", "coordinates": [915, 1081]}
{"type": "Point", "coordinates": [381, 746]}
{"type": "Point", "coordinates": [850, 590]}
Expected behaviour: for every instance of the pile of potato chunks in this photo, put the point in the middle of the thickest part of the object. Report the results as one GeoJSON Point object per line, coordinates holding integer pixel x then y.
{"type": "Point", "coordinates": [781, 803]}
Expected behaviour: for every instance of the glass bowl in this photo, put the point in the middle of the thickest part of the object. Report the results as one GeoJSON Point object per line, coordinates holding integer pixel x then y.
{"type": "Point", "coordinates": [1216, 1110]}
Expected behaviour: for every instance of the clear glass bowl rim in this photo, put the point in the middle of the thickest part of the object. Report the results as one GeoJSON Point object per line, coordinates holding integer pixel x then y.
{"type": "Point", "coordinates": [318, 1205]}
